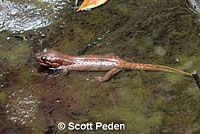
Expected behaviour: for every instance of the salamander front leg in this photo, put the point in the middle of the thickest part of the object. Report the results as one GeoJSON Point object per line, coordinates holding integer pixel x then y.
{"type": "Point", "coordinates": [58, 71]}
{"type": "Point", "coordinates": [76, 4]}
{"type": "Point", "coordinates": [64, 70]}
{"type": "Point", "coordinates": [108, 75]}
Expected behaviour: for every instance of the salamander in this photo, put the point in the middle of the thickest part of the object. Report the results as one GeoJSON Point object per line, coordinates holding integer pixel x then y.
{"type": "Point", "coordinates": [108, 62]}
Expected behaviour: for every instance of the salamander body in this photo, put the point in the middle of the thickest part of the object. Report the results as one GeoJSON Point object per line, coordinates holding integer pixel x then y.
{"type": "Point", "coordinates": [113, 64]}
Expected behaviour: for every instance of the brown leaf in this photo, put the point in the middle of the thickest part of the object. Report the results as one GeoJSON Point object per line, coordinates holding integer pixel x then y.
{"type": "Point", "coordinates": [88, 4]}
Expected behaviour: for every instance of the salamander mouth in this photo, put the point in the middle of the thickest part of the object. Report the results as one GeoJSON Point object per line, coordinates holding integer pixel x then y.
{"type": "Point", "coordinates": [43, 64]}
{"type": "Point", "coordinates": [46, 63]}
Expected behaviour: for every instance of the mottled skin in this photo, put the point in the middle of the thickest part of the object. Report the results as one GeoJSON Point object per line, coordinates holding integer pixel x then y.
{"type": "Point", "coordinates": [58, 61]}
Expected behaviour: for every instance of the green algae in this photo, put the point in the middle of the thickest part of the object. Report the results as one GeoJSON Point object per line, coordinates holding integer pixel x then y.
{"type": "Point", "coordinates": [193, 92]}
{"type": "Point", "coordinates": [3, 36]}
{"type": "Point", "coordinates": [3, 97]}
{"type": "Point", "coordinates": [86, 34]}
{"type": "Point", "coordinates": [26, 75]}
{"type": "Point", "coordinates": [132, 111]}
{"type": "Point", "coordinates": [17, 54]}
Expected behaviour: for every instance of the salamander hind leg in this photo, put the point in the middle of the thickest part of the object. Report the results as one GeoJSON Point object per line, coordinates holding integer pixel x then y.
{"type": "Point", "coordinates": [108, 75]}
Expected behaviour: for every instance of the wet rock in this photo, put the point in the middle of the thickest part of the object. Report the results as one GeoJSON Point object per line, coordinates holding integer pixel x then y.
{"type": "Point", "coordinates": [23, 16]}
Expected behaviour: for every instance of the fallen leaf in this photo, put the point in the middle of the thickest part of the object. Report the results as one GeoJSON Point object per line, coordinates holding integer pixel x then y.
{"type": "Point", "coordinates": [88, 4]}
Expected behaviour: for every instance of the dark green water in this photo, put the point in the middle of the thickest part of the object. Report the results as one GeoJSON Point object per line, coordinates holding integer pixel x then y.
{"type": "Point", "coordinates": [157, 32]}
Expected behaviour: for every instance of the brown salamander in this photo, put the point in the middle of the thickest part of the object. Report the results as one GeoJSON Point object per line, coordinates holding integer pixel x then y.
{"type": "Point", "coordinates": [59, 61]}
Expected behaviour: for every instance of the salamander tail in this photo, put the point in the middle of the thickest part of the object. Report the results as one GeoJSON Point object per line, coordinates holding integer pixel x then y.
{"type": "Point", "coordinates": [131, 66]}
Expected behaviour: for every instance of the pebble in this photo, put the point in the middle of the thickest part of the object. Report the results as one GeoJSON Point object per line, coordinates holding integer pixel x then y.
{"type": "Point", "coordinates": [160, 51]}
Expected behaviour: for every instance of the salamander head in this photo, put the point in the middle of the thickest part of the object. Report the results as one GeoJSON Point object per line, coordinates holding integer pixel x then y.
{"type": "Point", "coordinates": [49, 58]}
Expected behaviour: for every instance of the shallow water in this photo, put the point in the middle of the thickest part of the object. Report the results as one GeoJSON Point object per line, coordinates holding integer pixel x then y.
{"type": "Point", "coordinates": [156, 32]}
{"type": "Point", "coordinates": [20, 16]}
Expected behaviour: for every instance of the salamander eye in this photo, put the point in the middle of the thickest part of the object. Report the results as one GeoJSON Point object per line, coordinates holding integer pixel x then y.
{"type": "Point", "coordinates": [43, 59]}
